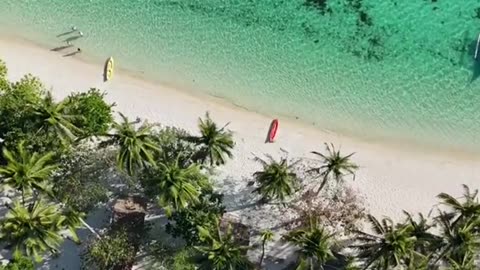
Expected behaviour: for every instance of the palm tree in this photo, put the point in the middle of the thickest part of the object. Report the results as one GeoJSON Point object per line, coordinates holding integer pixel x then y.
{"type": "Point", "coordinates": [276, 180]}
{"type": "Point", "coordinates": [19, 262]}
{"type": "Point", "coordinates": [221, 252]}
{"type": "Point", "coordinates": [335, 165]}
{"type": "Point", "coordinates": [460, 240]}
{"type": "Point", "coordinates": [33, 230]}
{"type": "Point", "coordinates": [266, 236]}
{"type": "Point", "coordinates": [173, 186]}
{"type": "Point", "coordinates": [215, 143]}
{"type": "Point", "coordinates": [467, 263]}
{"type": "Point", "coordinates": [54, 119]}
{"type": "Point", "coordinates": [73, 220]}
{"type": "Point", "coordinates": [419, 261]}
{"type": "Point", "coordinates": [26, 172]}
{"type": "Point", "coordinates": [137, 146]}
{"type": "Point", "coordinates": [469, 209]}
{"type": "Point", "coordinates": [426, 242]}
{"type": "Point", "coordinates": [391, 246]}
{"type": "Point", "coordinates": [314, 243]}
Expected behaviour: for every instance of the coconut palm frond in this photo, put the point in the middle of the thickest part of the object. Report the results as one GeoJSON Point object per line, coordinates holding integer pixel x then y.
{"type": "Point", "coordinates": [215, 144]}
{"type": "Point", "coordinates": [333, 165]}
{"type": "Point", "coordinates": [276, 180]}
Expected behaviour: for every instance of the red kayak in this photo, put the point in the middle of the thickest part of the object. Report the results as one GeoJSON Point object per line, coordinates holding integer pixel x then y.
{"type": "Point", "coordinates": [273, 130]}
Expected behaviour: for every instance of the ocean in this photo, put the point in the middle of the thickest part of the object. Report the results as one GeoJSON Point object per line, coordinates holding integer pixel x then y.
{"type": "Point", "coordinates": [400, 70]}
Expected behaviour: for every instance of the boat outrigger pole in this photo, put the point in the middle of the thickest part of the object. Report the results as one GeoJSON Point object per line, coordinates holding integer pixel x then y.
{"type": "Point", "coordinates": [478, 44]}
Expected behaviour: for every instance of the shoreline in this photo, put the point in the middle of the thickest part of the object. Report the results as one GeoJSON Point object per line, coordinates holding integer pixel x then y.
{"type": "Point", "coordinates": [396, 144]}
{"type": "Point", "coordinates": [392, 177]}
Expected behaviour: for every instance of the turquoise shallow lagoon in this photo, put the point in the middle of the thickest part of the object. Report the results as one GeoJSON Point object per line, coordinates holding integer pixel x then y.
{"type": "Point", "coordinates": [379, 69]}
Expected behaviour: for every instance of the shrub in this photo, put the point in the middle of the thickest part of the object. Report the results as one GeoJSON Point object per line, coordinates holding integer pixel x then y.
{"type": "Point", "coordinates": [96, 113]}
{"type": "Point", "coordinates": [172, 145]}
{"type": "Point", "coordinates": [109, 252]}
{"type": "Point", "coordinates": [203, 214]}
{"type": "Point", "coordinates": [19, 263]}
{"type": "Point", "coordinates": [81, 181]}
{"type": "Point", "coordinates": [17, 121]}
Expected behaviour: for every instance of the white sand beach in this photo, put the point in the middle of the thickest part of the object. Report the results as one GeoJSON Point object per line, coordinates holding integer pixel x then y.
{"type": "Point", "coordinates": [392, 177]}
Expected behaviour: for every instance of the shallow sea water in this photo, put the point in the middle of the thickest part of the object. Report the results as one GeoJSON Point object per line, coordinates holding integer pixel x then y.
{"type": "Point", "coordinates": [380, 69]}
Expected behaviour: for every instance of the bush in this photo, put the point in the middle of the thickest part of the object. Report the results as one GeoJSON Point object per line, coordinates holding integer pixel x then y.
{"type": "Point", "coordinates": [3, 76]}
{"type": "Point", "coordinates": [109, 252]}
{"type": "Point", "coordinates": [182, 260]}
{"type": "Point", "coordinates": [17, 120]}
{"type": "Point", "coordinates": [81, 181]}
{"type": "Point", "coordinates": [172, 145]}
{"type": "Point", "coordinates": [19, 263]}
{"type": "Point", "coordinates": [96, 113]}
{"type": "Point", "coordinates": [204, 214]}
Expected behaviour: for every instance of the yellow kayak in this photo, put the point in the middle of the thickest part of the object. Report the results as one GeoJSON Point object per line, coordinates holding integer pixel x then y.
{"type": "Point", "coordinates": [108, 69]}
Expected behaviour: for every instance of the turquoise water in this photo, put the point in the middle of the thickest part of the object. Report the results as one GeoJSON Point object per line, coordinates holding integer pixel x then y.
{"type": "Point", "coordinates": [381, 69]}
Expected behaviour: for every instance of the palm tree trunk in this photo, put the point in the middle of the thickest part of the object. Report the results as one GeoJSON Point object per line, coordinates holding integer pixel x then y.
{"type": "Point", "coordinates": [263, 254]}
{"type": "Point", "coordinates": [85, 224]}
{"type": "Point", "coordinates": [324, 182]}
{"type": "Point", "coordinates": [23, 197]}
{"type": "Point", "coordinates": [89, 228]}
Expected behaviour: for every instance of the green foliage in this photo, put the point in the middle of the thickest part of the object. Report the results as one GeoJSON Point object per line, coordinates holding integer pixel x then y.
{"type": "Point", "coordinates": [391, 246]}
{"type": "Point", "coordinates": [96, 113]}
{"type": "Point", "coordinates": [426, 241]}
{"type": "Point", "coordinates": [109, 252]}
{"type": "Point", "coordinates": [461, 241]}
{"type": "Point", "coordinates": [315, 246]}
{"type": "Point", "coordinates": [265, 236]}
{"type": "Point", "coordinates": [19, 262]}
{"type": "Point", "coordinates": [81, 180]}
{"type": "Point", "coordinates": [462, 212]}
{"type": "Point", "coordinates": [26, 172]}
{"type": "Point", "coordinates": [216, 144]}
{"type": "Point", "coordinates": [220, 252]}
{"type": "Point", "coordinates": [34, 230]}
{"type": "Point", "coordinates": [136, 146]}
{"type": "Point", "coordinates": [182, 260]}
{"type": "Point", "coordinates": [460, 229]}
{"type": "Point", "coordinates": [80, 195]}
{"type": "Point", "coordinates": [29, 113]}
{"type": "Point", "coordinates": [3, 69]}
{"type": "Point", "coordinates": [54, 118]}
{"type": "Point", "coordinates": [173, 186]}
{"type": "Point", "coordinates": [334, 165]}
{"type": "Point", "coordinates": [276, 180]}
{"type": "Point", "coordinates": [173, 143]}
{"type": "Point", "coordinates": [203, 214]}
{"type": "Point", "coordinates": [451, 239]}
{"type": "Point", "coordinates": [3, 77]}
{"type": "Point", "coordinates": [17, 101]}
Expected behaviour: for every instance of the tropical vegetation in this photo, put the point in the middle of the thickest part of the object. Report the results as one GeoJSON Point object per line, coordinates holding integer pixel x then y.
{"type": "Point", "coordinates": [276, 180]}
{"type": "Point", "coordinates": [64, 159]}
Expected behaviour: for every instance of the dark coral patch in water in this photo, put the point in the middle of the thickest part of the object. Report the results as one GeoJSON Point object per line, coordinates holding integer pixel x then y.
{"type": "Point", "coordinates": [320, 5]}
